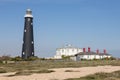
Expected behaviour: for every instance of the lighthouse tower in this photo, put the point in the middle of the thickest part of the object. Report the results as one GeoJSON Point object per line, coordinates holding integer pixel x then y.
{"type": "Point", "coordinates": [28, 41]}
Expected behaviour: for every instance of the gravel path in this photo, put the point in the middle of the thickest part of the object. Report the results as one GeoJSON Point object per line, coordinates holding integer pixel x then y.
{"type": "Point", "coordinates": [63, 73]}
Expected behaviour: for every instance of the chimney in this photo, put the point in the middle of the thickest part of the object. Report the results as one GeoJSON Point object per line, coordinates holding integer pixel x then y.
{"type": "Point", "coordinates": [89, 49]}
{"type": "Point", "coordinates": [97, 51]}
{"type": "Point", "coordinates": [104, 51]}
{"type": "Point", "coordinates": [84, 50]}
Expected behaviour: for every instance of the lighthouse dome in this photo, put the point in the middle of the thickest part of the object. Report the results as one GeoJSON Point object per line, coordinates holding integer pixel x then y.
{"type": "Point", "coordinates": [28, 13]}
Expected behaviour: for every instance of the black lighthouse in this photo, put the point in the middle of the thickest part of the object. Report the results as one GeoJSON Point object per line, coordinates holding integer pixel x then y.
{"type": "Point", "coordinates": [28, 40]}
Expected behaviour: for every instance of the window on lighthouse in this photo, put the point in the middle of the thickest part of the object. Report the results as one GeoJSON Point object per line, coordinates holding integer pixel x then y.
{"type": "Point", "coordinates": [25, 30]}
{"type": "Point", "coordinates": [28, 19]}
{"type": "Point", "coordinates": [23, 53]}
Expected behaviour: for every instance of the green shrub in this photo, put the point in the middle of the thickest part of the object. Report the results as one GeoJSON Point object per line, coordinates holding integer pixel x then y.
{"type": "Point", "coordinates": [29, 72]}
{"type": "Point", "coordinates": [2, 70]}
{"type": "Point", "coordinates": [44, 71]}
{"type": "Point", "coordinates": [22, 73]}
{"type": "Point", "coordinates": [18, 58]}
{"type": "Point", "coordinates": [71, 71]}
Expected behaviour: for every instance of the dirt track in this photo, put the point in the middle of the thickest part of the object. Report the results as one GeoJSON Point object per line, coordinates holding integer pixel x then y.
{"type": "Point", "coordinates": [60, 73]}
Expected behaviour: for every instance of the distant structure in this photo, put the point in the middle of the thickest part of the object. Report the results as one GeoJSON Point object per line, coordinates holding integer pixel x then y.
{"type": "Point", "coordinates": [68, 50]}
{"type": "Point", "coordinates": [78, 54]}
{"type": "Point", "coordinates": [90, 55]}
{"type": "Point", "coordinates": [28, 41]}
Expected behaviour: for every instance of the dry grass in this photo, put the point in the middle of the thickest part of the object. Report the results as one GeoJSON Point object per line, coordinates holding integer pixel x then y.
{"type": "Point", "coordinates": [30, 72]}
{"type": "Point", "coordinates": [71, 71]}
{"type": "Point", "coordinates": [100, 76]}
{"type": "Point", "coordinates": [45, 65]}
{"type": "Point", "coordinates": [2, 70]}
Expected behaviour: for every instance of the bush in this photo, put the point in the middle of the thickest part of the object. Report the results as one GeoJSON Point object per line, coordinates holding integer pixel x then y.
{"type": "Point", "coordinates": [65, 57]}
{"type": "Point", "coordinates": [2, 70]}
{"type": "Point", "coordinates": [29, 72]}
{"type": "Point", "coordinates": [5, 58]}
{"type": "Point", "coordinates": [32, 58]}
{"type": "Point", "coordinates": [71, 71]}
{"type": "Point", "coordinates": [18, 58]}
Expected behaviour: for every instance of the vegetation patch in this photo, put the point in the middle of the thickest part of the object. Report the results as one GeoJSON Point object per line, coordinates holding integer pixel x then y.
{"type": "Point", "coordinates": [71, 71]}
{"type": "Point", "coordinates": [30, 72]}
{"type": "Point", "coordinates": [100, 76]}
{"type": "Point", "coordinates": [49, 64]}
{"type": "Point", "coordinates": [2, 70]}
{"type": "Point", "coordinates": [44, 71]}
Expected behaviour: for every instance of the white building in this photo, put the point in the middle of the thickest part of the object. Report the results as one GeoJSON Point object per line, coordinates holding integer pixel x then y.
{"type": "Point", "coordinates": [67, 51]}
{"type": "Point", "coordinates": [90, 56]}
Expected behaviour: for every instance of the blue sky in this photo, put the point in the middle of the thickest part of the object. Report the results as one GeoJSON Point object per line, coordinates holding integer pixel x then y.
{"type": "Point", "coordinates": [82, 23]}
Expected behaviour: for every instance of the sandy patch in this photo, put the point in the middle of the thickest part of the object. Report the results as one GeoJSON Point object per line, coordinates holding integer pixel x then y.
{"type": "Point", "coordinates": [61, 74]}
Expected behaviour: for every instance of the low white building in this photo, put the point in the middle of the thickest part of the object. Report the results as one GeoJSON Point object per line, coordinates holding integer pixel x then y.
{"type": "Point", "coordinates": [67, 51]}
{"type": "Point", "coordinates": [90, 56]}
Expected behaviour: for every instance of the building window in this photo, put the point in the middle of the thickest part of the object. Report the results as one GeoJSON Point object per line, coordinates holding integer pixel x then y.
{"type": "Point", "coordinates": [77, 50]}
{"type": "Point", "coordinates": [88, 56]}
{"type": "Point", "coordinates": [95, 56]}
{"type": "Point", "coordinates": [67, 50]}
{"type": "Point", "coordinates": [73, 50]}
{"type": "Point", "coordinates": [62, 50]}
